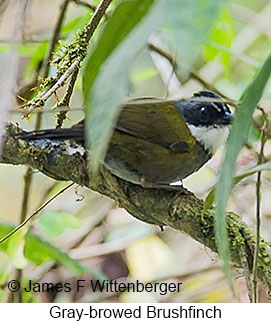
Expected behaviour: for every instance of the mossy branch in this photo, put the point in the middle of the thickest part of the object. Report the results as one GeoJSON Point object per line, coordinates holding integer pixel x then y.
{"type": "Point", "coordinates": [182, 212]}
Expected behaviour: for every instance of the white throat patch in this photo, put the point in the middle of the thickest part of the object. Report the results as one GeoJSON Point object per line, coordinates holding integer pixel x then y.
{"type": "Point", "coordinates": [210, 137]}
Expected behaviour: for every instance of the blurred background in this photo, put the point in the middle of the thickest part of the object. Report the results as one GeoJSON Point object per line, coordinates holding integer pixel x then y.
{"type": "Point", "coordinates": [88, 227]}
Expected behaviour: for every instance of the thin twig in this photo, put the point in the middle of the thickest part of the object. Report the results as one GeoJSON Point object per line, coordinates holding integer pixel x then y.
{"type": "Point", "coordinates": [258, 220]}
{"type": "Point", "coordinates": [10, 61]}
{"type": "Point", "coordinates": [36, 212]}
{"type": "Point", "coordinates": [61, 116]}
{"type": "Point", "coordinates": [47, 61]}
{"type": "Point", "coordinates": [53, 42]}
{"type": "Point", "coordinates": [29, 173]}
{"type": "Point", "coordinates": [90, 28]}
{"type": "Point", "coordinates": [96, 18]}
{"type": "Point", "coordinates": [56, 36]}
{"type": "Point", "coordinates": [28, 176]}
{"type": "Point", "coordinates": [18, 31]}
{"type": "Point", "coordinates": [174, 64]}
{"type": "Point", "coordinates": [48, 191]}
{"type": "Point", "coordinates": [27, 185]}
{"type": "Point", "coordinates": [91, 6]}
{"type": "Point", "coordinates": [55, 87]}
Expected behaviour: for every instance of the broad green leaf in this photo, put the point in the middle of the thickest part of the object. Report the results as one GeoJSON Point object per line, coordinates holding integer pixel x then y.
{"type": "Point", "coordinates": [222, 33]}
{"type": "Point", "coordinates": [126, 33]}
{"type": "Point", "coordinates": [120, 23]}
{"type": "Point", "coordinates": [71, 25]}
{"type": "Point", "coordinates": [144, 74]}
{"type": "Point", "coordinates": [53, 224]}
{"type": "Point", "coordinates": [189, 23]}
{"type": "Point", "coordinates": [102, 98]}
{"type": "Point", "coordinates": [39, 250]}
{"type": "Point", "coordinates": [239, 132]}
{"type": "Point", "coordinates": [209, 200]}
{"type": "Point", "coordinates": [75, 24]}
{"type": "Point", "coordinates": [36, 54]}
{"type": "Point", "coordinates": [15, 249]}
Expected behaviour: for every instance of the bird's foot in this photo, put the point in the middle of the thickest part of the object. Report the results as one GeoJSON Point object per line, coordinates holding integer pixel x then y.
{"type": "Point", "coordinates": [168, 187]}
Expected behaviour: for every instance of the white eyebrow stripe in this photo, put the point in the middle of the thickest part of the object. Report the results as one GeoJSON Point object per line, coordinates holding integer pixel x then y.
{"type": "Point", "coordinates": [225, 107]}
{"type": "Point", "coordinates": [216, 107]}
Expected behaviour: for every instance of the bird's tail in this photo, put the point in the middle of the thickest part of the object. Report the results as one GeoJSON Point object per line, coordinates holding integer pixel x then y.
{"type": "Point", "coordinates": [76, 133]}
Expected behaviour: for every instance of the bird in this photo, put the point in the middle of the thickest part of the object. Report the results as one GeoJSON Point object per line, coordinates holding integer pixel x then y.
{"type": "Point", "coordinates": [157, 142]}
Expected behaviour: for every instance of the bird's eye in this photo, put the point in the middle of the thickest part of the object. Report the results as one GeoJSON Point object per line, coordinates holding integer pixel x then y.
{"type": "Point", "coordinates": [203, 110]}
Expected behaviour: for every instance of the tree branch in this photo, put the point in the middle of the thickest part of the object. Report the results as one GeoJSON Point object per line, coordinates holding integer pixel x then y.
{"type": "Point", "coordinates": [182, 212]}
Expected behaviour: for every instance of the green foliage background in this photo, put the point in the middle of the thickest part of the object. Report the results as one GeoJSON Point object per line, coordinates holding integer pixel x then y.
{"type": "Point", "coordinates": [224, 43]}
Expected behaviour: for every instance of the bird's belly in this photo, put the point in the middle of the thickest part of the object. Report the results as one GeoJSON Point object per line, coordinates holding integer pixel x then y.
{"type": "Point", "coordinates": [137, 160]}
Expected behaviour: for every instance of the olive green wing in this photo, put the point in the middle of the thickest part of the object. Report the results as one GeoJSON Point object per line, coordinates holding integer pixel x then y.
{"type": "Point", "coordinates": [156, 121]}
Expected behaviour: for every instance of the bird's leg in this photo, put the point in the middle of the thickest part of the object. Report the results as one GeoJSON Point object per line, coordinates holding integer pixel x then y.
{"type": "Point", "coordinates": [169, 187]}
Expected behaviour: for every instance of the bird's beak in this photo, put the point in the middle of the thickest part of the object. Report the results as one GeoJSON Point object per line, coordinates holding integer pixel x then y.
{"type": "Point", "coordinates": [227, 119]}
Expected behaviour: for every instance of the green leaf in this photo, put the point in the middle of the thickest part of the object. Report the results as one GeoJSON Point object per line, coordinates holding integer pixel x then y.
{"type": "Point", "coordinates": [126, 32]}
{"type": "Point", "coordinates": [120, 23]}
{"type": "Point", "coordinates": [239, 132]}
{"type": "Point", "coordinates": [4, 48]}
{"type": "Point", "coordinates": [36, 54]}
{"type": "Point", "coordinates": [75, 24]}
{"type": "Point", "coordinates": [189, 23]}
{"type": "Point", "coordinates": [102, 98]}
{"type": "Point", "coordinates": [254, 134]}
{"type": "Point", "coordinates": [39, 250]}
{"type": "Point", "coordinates": [222, 34]}
{"type": "Point", "coordinates": [209, 200]}
{"type": "Point", "coordinates": [15, 249]}
{"type": "Point", "coordinates": [53, 224]}
{"type": "Point", "coordinates": [145, 74]}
